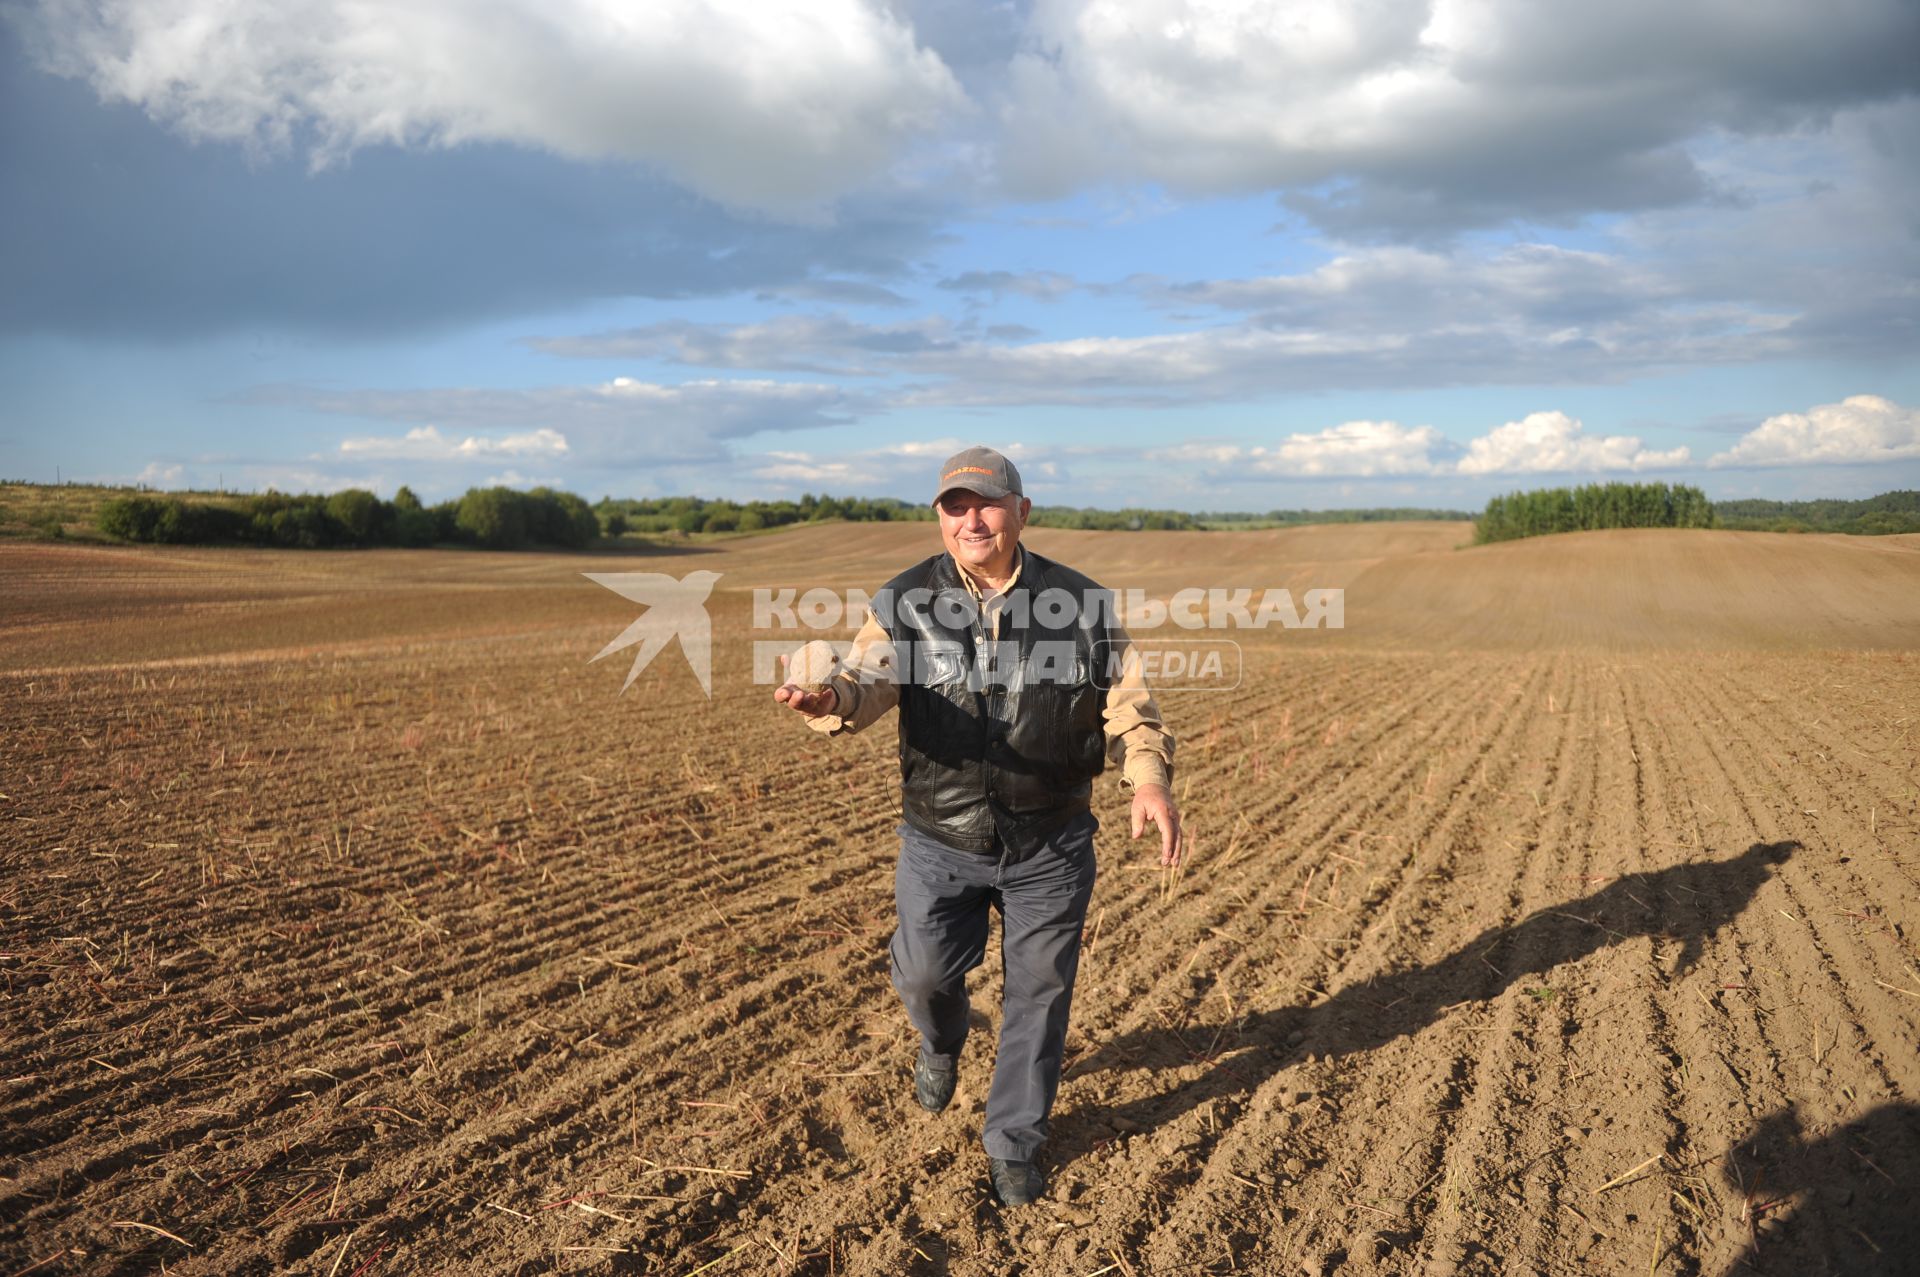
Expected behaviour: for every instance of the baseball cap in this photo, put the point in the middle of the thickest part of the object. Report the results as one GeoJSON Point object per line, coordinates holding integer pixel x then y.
{"type": "Point", "coordinates": [980, 470]}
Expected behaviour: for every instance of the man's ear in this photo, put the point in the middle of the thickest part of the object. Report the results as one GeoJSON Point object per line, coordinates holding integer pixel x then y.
{"type": "Point", "coordinates": [1026, 505]}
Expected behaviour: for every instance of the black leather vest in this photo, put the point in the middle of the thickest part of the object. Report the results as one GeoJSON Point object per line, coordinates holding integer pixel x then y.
{"type": "Point", "coordinates": [998, 737]}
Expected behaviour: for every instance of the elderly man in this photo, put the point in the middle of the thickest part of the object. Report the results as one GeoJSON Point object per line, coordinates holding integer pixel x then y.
{"type": "Point", "coordinates": [1014, 685]}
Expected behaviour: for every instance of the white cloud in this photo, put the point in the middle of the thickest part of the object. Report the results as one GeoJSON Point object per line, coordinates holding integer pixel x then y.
{"type": "Point", "coordinates": [1554, 443]}
{"type": "Point", "coordinates": [514, 479]}
{"type": "Point", "coordinates": [906, 467]}
{"type": "Point", "coordinates": [1216, 363]}
{"type": "Point", "coordinates": [1541, 443]}
{"type": "Point", "coordinates": [1530, 284]}
{"type": "Point", "coordinates": [1353, 449]}
{"type": "Point", "coordinates": [1370, 317]}
{"type": "Point", "coordinates": [779, 105]}
{"type": "Point", "coordinates": [161, 474]}
{"type": "Point", "coordinates": [1423, 114]}
{"type": "Point", "coordinates": [1200, 452]}
{"type": "Point", "coordinates": [1859, 430]}
{"type": "Point", "coordinates": [883, 469]}
{"type": "Point", "coordinates": [619, 422]}
{"type": "Point", "coordinates": [1359, 449]}
{"type": "Point", "coordinates": [1436, 112]}
{"type": "Point", "coordinates": [425, 443]}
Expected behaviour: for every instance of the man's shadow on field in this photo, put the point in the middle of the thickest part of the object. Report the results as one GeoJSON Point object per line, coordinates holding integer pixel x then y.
{"type": "Point", "coordinates": [1688, 903]}
{"type": "Point", "coordinates": [1842, 1203]}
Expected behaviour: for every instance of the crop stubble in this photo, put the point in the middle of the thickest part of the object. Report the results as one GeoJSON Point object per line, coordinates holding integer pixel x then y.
{"type": "Point", "coordinates": [352, 924]}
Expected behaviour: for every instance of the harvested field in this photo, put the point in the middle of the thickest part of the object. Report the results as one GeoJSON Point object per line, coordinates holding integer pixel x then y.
{"type": "Point", "coordinates": [1557, 915]}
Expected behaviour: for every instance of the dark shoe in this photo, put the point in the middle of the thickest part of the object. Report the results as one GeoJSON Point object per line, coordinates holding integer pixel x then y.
{"type": "Point", "coordinates": [933, 1084]}
{"type": "Point", "coordinates": [1016, 1183]}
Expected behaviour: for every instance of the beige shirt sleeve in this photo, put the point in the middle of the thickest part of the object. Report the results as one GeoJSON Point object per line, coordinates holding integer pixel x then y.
{"type": "Point", "coordinates": [869, 686]}
{"type": "Point", "coordinates": [1137, 738]}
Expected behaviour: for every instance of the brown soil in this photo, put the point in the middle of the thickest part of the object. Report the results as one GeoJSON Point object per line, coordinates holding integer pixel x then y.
{"type": "Point", "coordinates": [1556, 916]}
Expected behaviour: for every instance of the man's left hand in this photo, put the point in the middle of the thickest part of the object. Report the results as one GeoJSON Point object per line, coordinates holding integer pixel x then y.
{"type": "Point", "coordinates": [1154, 803]}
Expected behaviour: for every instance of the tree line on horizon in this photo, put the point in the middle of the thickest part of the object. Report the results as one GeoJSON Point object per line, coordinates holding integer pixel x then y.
{"type": "Point", "coordinates": [1890, 512]}
{"type": "Point", "coordinates": [656, 515]}
{"type": "Point", "coordinates": [493, 518]}
{"type": "Point", "coordinates": [1658, 505]}
{"type": "Point", "coordinates": [507, 518]}
{"type": "Point", "coordinates": [688, 514]}
{"type": "Point", "coordinates": [1377, 514]}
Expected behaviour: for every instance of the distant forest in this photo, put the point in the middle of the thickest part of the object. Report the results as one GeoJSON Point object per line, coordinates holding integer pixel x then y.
{"type": "Point", "coordinates": [495, 518]}
{"type": "Point", "coordinates": [1233, 519]}
{"type": "Point", "coordinates": [1875, 516]}
{"type": "Point", "coordinates": [687, 515]}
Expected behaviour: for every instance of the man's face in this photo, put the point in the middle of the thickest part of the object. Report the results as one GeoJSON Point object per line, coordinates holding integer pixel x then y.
{"type": "Point", "coordinates": [979, 532]}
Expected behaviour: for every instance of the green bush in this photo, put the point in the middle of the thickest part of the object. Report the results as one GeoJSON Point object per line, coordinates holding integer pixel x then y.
{"type": "Point", "coordinates": [129, 518]}
{"type": "Point", "coordinates": [570, 521]}
{"type": "Point", "coordinates": [493, 517]}
{"type": "Point", "coordinates": [169, 521]}
{"type": "Point", "coordinates": [358, 512]}
{"type": "Point", "coordinates": [299, 527]}
{"type": "Point", "coordinates": [412, 527]}
{"type": "Point", "coordinates": [1590, 507]}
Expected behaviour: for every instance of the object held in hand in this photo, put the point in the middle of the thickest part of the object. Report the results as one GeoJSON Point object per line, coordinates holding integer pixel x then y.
{"type": "Point", "coordinates": [811, 666]}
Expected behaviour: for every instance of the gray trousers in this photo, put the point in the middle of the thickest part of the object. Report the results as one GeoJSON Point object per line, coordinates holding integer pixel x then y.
{"type": "Point", "coordinates": [944, 897]}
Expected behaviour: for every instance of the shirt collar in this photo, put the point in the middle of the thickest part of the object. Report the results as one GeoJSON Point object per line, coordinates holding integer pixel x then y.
{"type": "Point", "coordinates": [973, 586]}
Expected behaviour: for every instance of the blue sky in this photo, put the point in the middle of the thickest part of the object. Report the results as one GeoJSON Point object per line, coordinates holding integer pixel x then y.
{"type": "Point", "coordinates": [1208, 254]}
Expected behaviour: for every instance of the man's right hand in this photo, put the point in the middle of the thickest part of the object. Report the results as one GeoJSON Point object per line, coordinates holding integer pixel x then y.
{"type": "Point", "coordinates": [812, 704]}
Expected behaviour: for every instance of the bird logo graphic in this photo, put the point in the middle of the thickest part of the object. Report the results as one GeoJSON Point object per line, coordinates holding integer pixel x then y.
{"type": "Point", "coordinates": [676, 608]}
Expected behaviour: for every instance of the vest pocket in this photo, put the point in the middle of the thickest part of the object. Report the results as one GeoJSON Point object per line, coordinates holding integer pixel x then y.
{"type": "Point", "coordinates": [942, 668]}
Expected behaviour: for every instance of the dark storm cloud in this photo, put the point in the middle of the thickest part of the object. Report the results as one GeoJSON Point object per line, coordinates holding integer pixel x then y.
{"type": "Point", "coordinates": [110, 226]}
{"type": "Point", "coordinates": [1413, 121]}
{"type": "Point", "coordinates": [1751, 65]}
{"type": "Point", "coordinates": [1425, 203]}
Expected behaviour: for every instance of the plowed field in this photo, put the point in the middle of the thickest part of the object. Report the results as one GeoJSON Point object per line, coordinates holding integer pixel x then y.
{"type": "Point", "coordinates": [1558, 915]}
